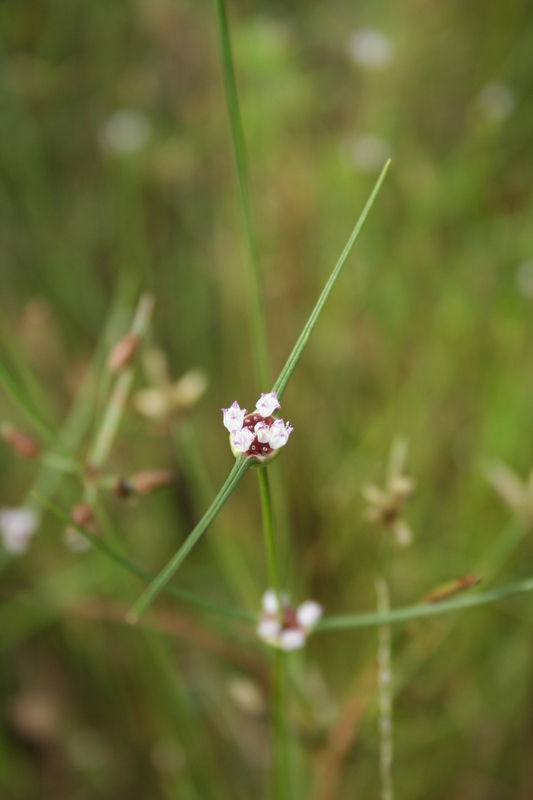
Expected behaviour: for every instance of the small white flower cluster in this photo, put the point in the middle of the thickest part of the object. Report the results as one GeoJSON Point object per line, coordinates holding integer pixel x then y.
{"type": "Point", "coordinates": [259, 434]}
{"type": "Point", "coordinates": [285, 627]}
{"type": "Point", "coordinates": [17, 526]}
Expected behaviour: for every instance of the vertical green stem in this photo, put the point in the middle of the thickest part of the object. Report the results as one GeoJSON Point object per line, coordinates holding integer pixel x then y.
{"type": "Point", "coordinates": [279, 678]}
{"type": "Point", "coordinates": [268, 530]}
{"type": "Point", "coordinates": [255, 288]}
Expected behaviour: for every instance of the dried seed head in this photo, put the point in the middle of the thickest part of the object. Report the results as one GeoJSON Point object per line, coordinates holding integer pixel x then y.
{"type": "Point", "coordinates": [146, 482]}
{"type": "Point", "coordinates": [83, 516]}
{"type": "Point", "coordinates": [123, 353]}
{"type": "Point", "coordinates": [19, 441]}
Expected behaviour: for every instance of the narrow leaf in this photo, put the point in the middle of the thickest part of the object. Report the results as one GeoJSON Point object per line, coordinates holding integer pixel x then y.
{"type": "Point", "coordinates": [288, 369]}
{"type": "Point", "coordinates": [141, 573]}
{"type": "Point", "coordinates": [408, 613]}
{"type": "Point", "coordinates": [151, 592]}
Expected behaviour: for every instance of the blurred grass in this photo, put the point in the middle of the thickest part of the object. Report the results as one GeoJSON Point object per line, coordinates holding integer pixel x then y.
{"type": "Point", "coordinates": [428, 335]}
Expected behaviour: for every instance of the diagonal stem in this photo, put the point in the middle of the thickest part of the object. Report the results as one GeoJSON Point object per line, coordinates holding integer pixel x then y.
{"type": "Point", "coordinates": [150, 593]}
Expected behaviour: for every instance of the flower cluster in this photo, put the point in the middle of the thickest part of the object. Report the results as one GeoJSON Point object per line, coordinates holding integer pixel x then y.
{"type": "Point", "coordinates": [258, 435]}
{"type": "Point", "coordinates": [285, 627]}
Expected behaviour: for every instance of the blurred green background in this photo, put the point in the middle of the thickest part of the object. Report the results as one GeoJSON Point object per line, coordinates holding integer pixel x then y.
{"type": "Point", "coordinates": [116, 175]}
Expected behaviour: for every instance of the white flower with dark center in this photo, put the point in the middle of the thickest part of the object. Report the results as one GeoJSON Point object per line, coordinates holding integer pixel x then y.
{"type": "Point", "coordinates": [17, 526]}
{"type": "Point", "coordinates": [233, 417]}
{"type": "Point", "coordinates": [257, 435]}
{"type": "Point", "coordinates": [267, 404]}
{"type": "Point", "coordinates": [285, 627]}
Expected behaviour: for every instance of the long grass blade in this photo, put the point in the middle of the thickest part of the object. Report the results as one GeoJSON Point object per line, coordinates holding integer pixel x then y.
{"type": "Point", "coordinates": [240, 467]}
{"type": "Point", "coordinates": [292, 361]}
{"type": "Point", "coordinates": [100, 545]}
{"type": "Point", "coordinates": [408, 613]}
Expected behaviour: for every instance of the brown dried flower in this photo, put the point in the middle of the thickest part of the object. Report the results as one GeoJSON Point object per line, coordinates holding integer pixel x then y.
{"type": "Point", "coordinates": [19, 441]}
{"type": "Point", "coordinates": [144, 482]}
{"type": "Point", "coordinates": [123, 352]}
{"type": "Point", "coordinates": [386, 506]}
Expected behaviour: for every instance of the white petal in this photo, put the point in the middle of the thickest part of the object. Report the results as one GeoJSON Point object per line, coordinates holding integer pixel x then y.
{"type": "Point", "coordinates": [242, 440]}
{"type": "Point", "coordinates": [292, 639]}
{"type": "Point", "coordinates": [279, 434]}
{"type": "Point", "coordinates": [17, 526]}
{"type": "Point", "coordinates": [308, 614]}
{"type": "Point", "coordinates": [263, 432]}
{"type": "Point", "coordinates": [270, 602]}
{"type": "Point", "coordinates": [267, 404]}
{"type": "Point", "coordinates": [233, 417]}
{"type": "Point", "coordinates": [269, 630]}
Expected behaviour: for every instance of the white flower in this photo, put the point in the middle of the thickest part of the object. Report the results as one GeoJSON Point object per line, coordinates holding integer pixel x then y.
{"type": "Point", "coordinates": [17, 526]}
{"type": "Point", "coordinates": [242, 440]}
{"type": "Point", "coordinates": [370, 49]}
{"type": "Point", "coordinates": [279, 434]}
{"type": "Point", "coordinates": [267, 404]}
{"type": "Point", "coordinates": [233, 417]}
{"type": "Point", "coordinates": [262, 431]}
{"type": "Point", "coordinates": [285, 627]}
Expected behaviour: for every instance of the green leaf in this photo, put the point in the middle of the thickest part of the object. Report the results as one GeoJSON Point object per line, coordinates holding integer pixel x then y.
{"type": "Point", "coordinates": [148, 596]}
{"type": "Point", "coordinates": [141, 573]}
{"type": "Point", "coordinates": [408, 613]}
{"type": "Point", "coordinates": [288, 369]}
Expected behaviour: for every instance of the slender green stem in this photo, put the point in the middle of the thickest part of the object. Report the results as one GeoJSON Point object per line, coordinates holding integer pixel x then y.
{"type": "Point", "coordinates": [288, 369]}
{"type": "Point", "coordinates": [148, 596]}
{"type": "Point", "coordinates": [60, 463]}
{"type": "Point", "coordinates": [132, 568]}
{"type": "Point", "coordinates": [408, 613]}
{"type": "Point", "coordinates": [257, 308]}
{"type": "Point", "coordinates": [268, 530]}
{"type": "Point", "coordinates": [117, 401]}
{"type": "Point", "coordinates": [386, 745]}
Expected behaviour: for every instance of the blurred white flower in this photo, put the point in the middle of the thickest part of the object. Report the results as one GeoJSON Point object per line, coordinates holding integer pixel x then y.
{"type": "Point", "coordinates": [17, 526]}
{"type": "Point", "coordinates": [524, 279]}
{"type": "Point", "coordinates": [285, 627]}
{"type": "Point", "coordinates": [366, 153]}
{"type": "Point", "coordinates": [125, 131]}
{"type": "Point", "coordinates": [496, 101]}
{"type": "Point", "coordinates": [370, 49]}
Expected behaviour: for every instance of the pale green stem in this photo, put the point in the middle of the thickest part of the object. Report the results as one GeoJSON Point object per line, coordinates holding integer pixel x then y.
{"type": "Point", "coordinates": [148, 596]}
{"type": "Point", "coordinates": [279, 678]}
{"type": "Point", "coordinates": [120, 393]}
{"type": "Point", "coordinates": [268, 530]}
{"type": "Point", "coordinates": [385, 694]}
{"type": "Point", "coordinates": [257, 309]}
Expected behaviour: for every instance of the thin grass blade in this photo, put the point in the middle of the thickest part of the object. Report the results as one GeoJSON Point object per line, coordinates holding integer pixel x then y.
{"type": "Point", "coordinates": [292, 361]}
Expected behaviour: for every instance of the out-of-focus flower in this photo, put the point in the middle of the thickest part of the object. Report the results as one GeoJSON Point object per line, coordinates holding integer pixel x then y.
{"type": "Point", "coordinates": [123, 353]}
{"type": "Point", "coordinates": [256, 435]}
{"type": "Point", "coordinates": [366, 153]}
{"type": "Point", "coordinates": [370, 49]}
{"type": "Point", "coordinates": [246, 695]}
{"type": "Point", "coordinates": [19, 441]}
{"type": "Point", "coordinates": [496, 102]}
{"type": "Point", "coordinates": [386, 506]}
{"type": "Point", "coordinates": [126, 131]}
{"type": "Point", "coordinates": [524, 279]}
{"type": "Point", "coordinates": [515, 493]}
{"type": "Point", "coordinates": [166, 399]}
{"type": "Point", "coordinates": [17, 526]}
{"type": "Point", "coordinates": [285, 627]}
{"type": "Point", "coordinates": [145, 482]}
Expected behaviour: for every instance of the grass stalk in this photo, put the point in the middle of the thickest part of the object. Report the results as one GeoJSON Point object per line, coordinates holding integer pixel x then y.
{"type": "Point", "coordinates": [158, 584]}
{"type": "Point", "coordinates": [386, 745]}
{"type": "Point", "coordinates": [268, 530]}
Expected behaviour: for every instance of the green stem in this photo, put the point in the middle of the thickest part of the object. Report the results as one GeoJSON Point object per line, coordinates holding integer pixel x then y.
{"type": "Point", "coordinates": [100, 545]}
{"type": "Point", "coordinates": [257, 308]}
{"type": "Point", "coordinates": [268, 530]}
{"type": "Point", "coordinates": [150, 593]}
{"type": "Point", "coordinates": [408, 613]}
{"type": "Point", "coordinates": [288, 369]}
